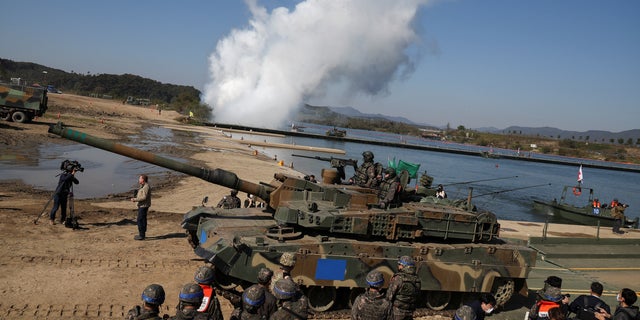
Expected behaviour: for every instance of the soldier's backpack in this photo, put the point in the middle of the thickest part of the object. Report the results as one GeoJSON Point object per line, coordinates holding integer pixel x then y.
{"type": "Point", "coordinates": [588, 312]}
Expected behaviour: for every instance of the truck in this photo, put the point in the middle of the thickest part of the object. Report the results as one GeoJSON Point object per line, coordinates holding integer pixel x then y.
{"type": "Point", "coordinates": [21, 103]}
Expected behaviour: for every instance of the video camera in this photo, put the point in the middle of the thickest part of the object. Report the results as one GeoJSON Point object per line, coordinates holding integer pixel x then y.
{"type": "Point", "coordinates": [69, 166]}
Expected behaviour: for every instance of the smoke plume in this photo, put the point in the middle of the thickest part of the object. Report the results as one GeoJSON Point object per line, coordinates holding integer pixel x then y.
{"type": "Point", "coordinates": [261, 74]}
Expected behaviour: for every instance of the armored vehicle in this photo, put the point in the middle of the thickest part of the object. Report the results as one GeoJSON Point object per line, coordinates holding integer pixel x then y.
{"type": "Point", "coordinates": [22, 103]}
{"type": "Point", "coordinates": [337, 236]}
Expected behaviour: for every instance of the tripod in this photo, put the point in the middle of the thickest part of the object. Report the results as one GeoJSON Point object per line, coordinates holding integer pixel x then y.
{"type": "Point", "coordinates": [71, 221]}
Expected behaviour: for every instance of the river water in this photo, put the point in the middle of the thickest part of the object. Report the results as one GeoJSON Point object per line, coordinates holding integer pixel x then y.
{"type": "Point", "coordinates": [509, 198]}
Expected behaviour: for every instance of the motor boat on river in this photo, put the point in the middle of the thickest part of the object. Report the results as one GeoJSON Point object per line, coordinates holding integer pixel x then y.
{"type": "Point", "coordinates": [591, 213]}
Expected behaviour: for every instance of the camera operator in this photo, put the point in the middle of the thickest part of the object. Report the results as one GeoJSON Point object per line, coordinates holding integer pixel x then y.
{"type": "Point", "coordinates": [62, 193]}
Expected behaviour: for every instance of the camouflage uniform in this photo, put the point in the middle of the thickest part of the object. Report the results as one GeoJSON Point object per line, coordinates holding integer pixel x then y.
{"type": "Point", "coordinates": [404, 289]}
{"type": "Point", "coordinates": [153, 297]}
{"type": "Point", "coordinates": [139, 313]}
{"type": "Point", "coordinates": [371, 305]}
{"type": "Point", "coordinates": [464, 313]}
{"type": "Point", "coordinates": [367, 174]}
{"type": "Point", "coordinates": [617, 213]}
{"type": "Point", "coordinates": [292, 304]}
{"type": "Point", "coordinates": [292, 309]}
{"type": "Point", "coordinates": [287, 262]}
{"type": "Point", "coordinates": [388, 188]}
{"type": "Point", "coordinates": [231, 201]}
{"type": "Point", "coordinates": [252, 300]}
{"type": "Point", "coordinates": [205, 277]}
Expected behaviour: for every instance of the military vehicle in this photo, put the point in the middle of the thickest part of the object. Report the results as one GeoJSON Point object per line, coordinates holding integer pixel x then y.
{"type": "Point", "coordinates": [21, 103]}
{"type": "Point", "coordinates": [338, 235]}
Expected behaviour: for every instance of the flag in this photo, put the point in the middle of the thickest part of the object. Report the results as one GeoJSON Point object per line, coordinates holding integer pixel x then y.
{"type": "Point", "coordinates": [580, 174]}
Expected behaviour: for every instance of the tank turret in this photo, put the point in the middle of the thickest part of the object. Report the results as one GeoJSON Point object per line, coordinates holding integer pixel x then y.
{"type": "Point", "coordinates": [338, 234]}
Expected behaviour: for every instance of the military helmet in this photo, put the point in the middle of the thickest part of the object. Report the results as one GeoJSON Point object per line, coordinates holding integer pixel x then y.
{"type": "Point", "coordinates": [284, 289]}
{"type": "Point", "coordinates": [191, 293]}
{"type": "Point", "coordinates": [264, 275]}
{"type": "Point", "coordinates": [375, 279]}
{"type": "Point", "coordinates": [153, 294]}
{"type": "Point", "coordinates": [390, 171]}
{"type": "Point", "coordinates": [367, 156]}
{"type": "Point", "coordinates": [204, 275]}
{"type": "Point", "coordinates": [288, 259]}
{"type": "Point", "coordinates": [465, 313]}
{"type": "Point", "coordinates": [406, 261]}
{"type": "Point", "coordinates": [254, 296]}
{"type": "Point", "coordinates": [234, 192]}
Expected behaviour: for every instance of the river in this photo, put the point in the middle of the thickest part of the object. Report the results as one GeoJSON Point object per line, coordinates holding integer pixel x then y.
{"type": "Point", "coordinates": [510, 198]}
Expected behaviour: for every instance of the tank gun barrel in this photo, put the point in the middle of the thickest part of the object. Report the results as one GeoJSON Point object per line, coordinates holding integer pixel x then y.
{"type": "Point", "coordinates": [216, 176]}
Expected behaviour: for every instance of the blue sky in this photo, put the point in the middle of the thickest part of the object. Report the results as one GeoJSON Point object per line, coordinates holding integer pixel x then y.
{"type": "Point", "coordinates": [570, 64]}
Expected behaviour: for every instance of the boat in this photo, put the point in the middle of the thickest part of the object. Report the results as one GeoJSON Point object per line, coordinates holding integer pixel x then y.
{"type": "Point", "coordinates": [569, 209]}
{"type": "Point", "coordinates": [335, 132]}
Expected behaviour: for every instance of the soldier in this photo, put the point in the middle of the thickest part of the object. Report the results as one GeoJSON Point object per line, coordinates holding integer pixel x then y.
{"type": "Point", "coordinates": [372, 304]}
{"type": "Point", "coordinates": [368, 174]}
{"type": "Point", "coordinates": [153, 298]}
{"type": "Point", "coordinates": [292, 304]}
{"type": "Point", "coordinates": [404, 289]}
{"type": "Point", "coordinates": [189, 299]}
{"type": "Point", "coordinates": [464, 313]}
{"type": "Point", "coordinates": [210, 306]}
{"type": "Point", "coordinates": [617, 213]}
{"type": "Point", "coordinates": [264, 280]}
{"type": "Point", "coordinates": [388, 188]}
{"type": "Point", "coordinates": [231, 201]}
{"type": "Point", "coordinates": [252, 301]}
{"type": "Point", "coordinates": [287, 262]}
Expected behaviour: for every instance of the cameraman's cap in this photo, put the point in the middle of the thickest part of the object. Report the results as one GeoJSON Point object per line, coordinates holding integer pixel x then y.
{"type": "Point", "coordinates": [554, 281]}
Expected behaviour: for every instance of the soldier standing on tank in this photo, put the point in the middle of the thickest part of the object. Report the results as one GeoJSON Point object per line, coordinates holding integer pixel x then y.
{"type": "Point", "coordinates": [252, 301]}
{"type": "Point", "coordinates": [368, 174]}
{"type": "Point", "coordinates": [152, 298]}
{"type": "Point", "coordinates": [231, 201]}
{"type": "Point", "coordinates": [404, 289]}
{"type": "Point", "coordinates": [264, 279]}
{"type": "Point", "coordinates": [189, 299]}
{"type": "Point", "coordinates": [210, 306]}
{"type": "Point", "coordinates": [292, 304]}
{"type": "Point", "coordinates": [388, 188]}
{"type": "Point", "coordinates": [372, 304]}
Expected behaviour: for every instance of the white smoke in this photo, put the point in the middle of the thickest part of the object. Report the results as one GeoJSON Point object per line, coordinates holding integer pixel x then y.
{"type": "Point", "coordinates": [260, 75]}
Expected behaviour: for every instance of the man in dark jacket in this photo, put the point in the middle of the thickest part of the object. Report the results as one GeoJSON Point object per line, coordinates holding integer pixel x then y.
{"type": "Point", "coordinates": [625, 310]}
{"type": "Point", "coordinates": [483, 306]}
{"type": "Point", "coordinates": [584, 306]}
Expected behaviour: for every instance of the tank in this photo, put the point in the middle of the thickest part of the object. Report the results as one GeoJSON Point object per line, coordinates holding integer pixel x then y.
{"type": "Point", "coordinates": [338, 235]}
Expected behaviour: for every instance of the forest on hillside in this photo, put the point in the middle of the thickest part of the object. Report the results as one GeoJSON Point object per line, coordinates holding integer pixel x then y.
{"type": "Point", "coordinates": [108, 86]}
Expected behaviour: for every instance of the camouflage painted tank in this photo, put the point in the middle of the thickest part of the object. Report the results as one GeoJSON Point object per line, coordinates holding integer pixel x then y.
{"type": "Point", "coordinates": [338, 236]}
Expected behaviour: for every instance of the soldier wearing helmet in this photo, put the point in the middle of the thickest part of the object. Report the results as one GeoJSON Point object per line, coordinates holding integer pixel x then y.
{"type": "Point", "coordinates": [287, 262]}
{"type": "Point", "coordinates": [152, 298]}
{"type": "Point", "coordinates": [252, 300]}
{"type": "Point", "coordinates": [388, 188]}
{"type": "Point", "coordinates": [264, 279]}
{"type": "Point", "coordinates": [404, 289]}
{"type": "Point", "coordinates": [368, 174]}
{"type": "Point", "coordinates": [205, 277]}
{"type": "Point", "coordinates": [231, 201]}
{"type": "Point", "coordinates": [189, 299]}
{"type": "Point", "coordinates": [292, 304]}
{"type": "Point", "coordinates": [372, 304]}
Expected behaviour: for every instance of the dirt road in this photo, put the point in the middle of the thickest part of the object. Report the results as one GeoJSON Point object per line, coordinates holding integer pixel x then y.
{"type": "Point", "coordinates": [99, 271]}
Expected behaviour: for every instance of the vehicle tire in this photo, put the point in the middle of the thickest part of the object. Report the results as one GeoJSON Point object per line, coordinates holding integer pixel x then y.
{"type": "Point", "coordinates": [503, 290]}
{"type": "Point", "coordinates": [19, 117]}
{"type": "Point", "coordinates": [7, 116]}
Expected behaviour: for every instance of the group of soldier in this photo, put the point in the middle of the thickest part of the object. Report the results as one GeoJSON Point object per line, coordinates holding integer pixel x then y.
{"type": "Point", "coordinates": [372, 175]}
{"type": "Point", "coordinates": [274, 297]}
{"type": "Point", "coordinates": [400, 300]}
